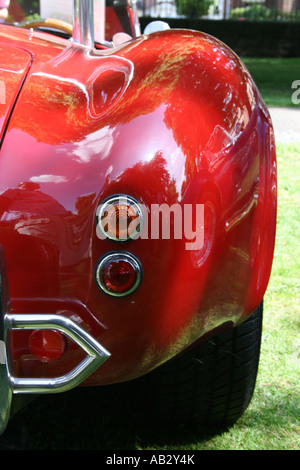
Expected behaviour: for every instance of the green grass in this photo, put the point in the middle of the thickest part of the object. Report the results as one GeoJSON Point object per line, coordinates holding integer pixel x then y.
{"type": "Point", "coordinates": [86, 419]}
{"type": "Point", "coordinates": [274, 78]}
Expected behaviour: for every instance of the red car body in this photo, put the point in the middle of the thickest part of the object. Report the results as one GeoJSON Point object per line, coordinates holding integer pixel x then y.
{"type": "Point", "coordinates": [170, 118]}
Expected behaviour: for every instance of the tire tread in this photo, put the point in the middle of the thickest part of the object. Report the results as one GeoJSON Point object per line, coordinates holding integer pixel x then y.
{"type": "Point", "coordinates": [212, 383]}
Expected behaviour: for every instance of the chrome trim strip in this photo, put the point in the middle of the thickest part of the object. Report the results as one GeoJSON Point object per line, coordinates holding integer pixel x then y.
{"type": "Point", "coordinates": [96, 354]}
{"type": "Point", "coordinates": [129, 257]}
{"type": "Point", "coordinates": [137, 27]}
{"type": "Point", "coordinates": [83, 22]}
{"type": "Point", "coordinates": [5, 387]}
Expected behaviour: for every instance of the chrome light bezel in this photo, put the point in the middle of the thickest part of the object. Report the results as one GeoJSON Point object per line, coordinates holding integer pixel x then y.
{"type": "Point", "coordinates": [111, 200]}
{"type": "Point", "coordinates": [119, 255]}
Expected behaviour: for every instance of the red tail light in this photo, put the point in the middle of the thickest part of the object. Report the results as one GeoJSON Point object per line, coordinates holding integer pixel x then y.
{"type": "Point", "coordinates": [118, 274]}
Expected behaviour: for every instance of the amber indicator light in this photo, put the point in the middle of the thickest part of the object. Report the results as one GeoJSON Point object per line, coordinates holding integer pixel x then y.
{"type": "Point", "coordinates": [120, 218]}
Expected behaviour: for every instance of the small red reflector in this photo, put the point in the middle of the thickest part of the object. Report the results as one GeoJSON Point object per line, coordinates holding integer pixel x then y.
{"type": "Point", "coordinates": [47, 345]}
{"type": "Point", "coordinates": [118, 274]}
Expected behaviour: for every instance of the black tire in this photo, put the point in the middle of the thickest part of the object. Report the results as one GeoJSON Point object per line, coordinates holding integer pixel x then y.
{"type": "Point", "coordinates": [211, 384]}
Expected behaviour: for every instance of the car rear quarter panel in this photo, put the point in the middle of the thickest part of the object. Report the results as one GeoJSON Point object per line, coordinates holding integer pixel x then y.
{"type": "Point", "coordinates": [169, 118]}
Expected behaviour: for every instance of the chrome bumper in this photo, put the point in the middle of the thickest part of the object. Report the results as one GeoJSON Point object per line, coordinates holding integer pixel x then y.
{"type": "Point", "coordinates": [96, 355]}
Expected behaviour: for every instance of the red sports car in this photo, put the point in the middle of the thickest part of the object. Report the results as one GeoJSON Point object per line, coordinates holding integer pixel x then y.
{"type": "Point", "coordinates": [137, 210]}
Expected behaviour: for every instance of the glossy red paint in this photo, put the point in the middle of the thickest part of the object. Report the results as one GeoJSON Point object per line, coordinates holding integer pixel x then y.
{"type": "Point", "coordinates": [172, 117]}
{"type": "Point", "coordinates": [14, 66]}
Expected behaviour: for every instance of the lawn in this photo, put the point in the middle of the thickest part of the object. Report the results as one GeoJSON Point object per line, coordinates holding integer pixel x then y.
{"type": "Point", "coordinates": [86, 419]}
{"type": "Point", "coordinates": [274, 78]}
